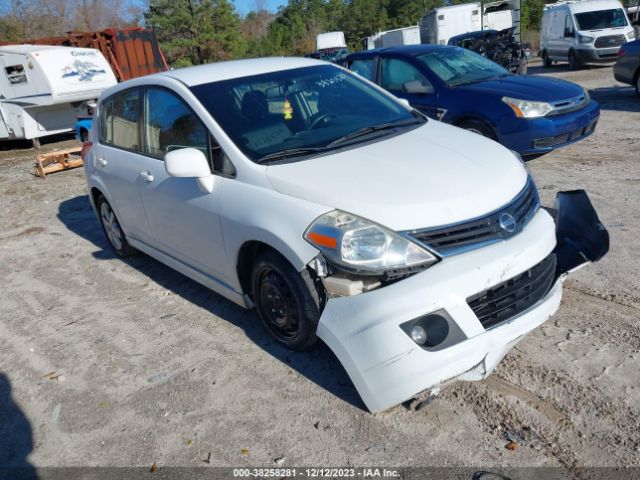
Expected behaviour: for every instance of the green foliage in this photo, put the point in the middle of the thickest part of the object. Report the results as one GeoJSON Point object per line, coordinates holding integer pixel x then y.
{"type": "Point", "coordinates": [193, 32]}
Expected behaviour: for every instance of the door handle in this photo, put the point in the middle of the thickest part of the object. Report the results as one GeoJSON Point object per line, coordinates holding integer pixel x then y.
{"type": "Point", "coordinates": [147, 177]}
{"type": "Point", "coordinates": [102, 162]}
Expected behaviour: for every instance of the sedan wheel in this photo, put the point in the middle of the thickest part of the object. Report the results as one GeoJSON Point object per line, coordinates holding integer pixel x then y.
{"type": "Point", "coordinates": [638, 84]}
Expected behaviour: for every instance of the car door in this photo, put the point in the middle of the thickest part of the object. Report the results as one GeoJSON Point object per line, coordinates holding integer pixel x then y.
{"type": "Point", "coordinates": [405, 80]}
{"type": "Point", "coordinates": [118, 160]}
{"type": "Point", "coordinates": [185, 221]}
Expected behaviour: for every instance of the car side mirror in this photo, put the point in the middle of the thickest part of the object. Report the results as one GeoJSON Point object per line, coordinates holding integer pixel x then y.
{"type": "Point", "coordinates": [190, 163]}
{"type": "Point", "coordinates": [417, 87]}
{"type": "Point", "coordinates": [568, 32]}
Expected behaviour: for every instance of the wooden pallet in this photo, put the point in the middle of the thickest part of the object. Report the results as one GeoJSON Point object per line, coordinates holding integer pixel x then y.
{"type": "Point", "coordinates": [57, 161]}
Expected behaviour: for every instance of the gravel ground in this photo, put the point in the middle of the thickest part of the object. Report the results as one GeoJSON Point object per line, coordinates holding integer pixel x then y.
{"type": "Point", "coordinates": [148, 366]}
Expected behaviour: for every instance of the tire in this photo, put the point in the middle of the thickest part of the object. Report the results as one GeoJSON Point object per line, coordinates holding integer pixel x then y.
{"type": "Point", "coordinates": [546, 61]}
{"type": "Point", "coordinates": [574, 63]}
{"type": "Point", "coordinates": [479, 127]}
{"type": "Point", "coordinates": [638, 83]}
{"type": "Point", "coordinates": [112, 230]}
{"type": "Point", "coordinates": [286, 300]}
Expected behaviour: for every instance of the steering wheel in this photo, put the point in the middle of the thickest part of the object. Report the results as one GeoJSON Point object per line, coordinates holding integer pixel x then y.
{"type": "Point", "coordinates": [322, 118]}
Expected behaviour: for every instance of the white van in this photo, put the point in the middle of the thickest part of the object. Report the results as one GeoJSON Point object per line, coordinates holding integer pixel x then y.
{"type": "Point", "coordinates": [581, 32]}
{"type": "Point", "coordinates": [43, 88]}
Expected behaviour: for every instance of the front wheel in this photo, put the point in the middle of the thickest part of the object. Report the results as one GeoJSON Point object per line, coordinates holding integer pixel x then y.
{"type": "Point", "coordinates": [286, 301]}
{"type": "Point", "coordinates": [479, 127]}
{"type": "Point", "coordinates": [546, 61]}
{"type": "Point", "coordinates": [574, 63]}
{"type": "Point", "coordinates": [638, 83]}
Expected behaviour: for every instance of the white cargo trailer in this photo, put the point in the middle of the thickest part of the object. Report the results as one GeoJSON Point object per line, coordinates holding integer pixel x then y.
{"type": "Point", "coordinates": [440, 24]}
{"type": "Point", "coordinates": [43, 88]}
{"type": "Point", "coordinates": [394, 38]}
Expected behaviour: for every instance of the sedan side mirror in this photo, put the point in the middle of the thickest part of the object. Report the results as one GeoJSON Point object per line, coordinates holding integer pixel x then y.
{"type": "Point", "coordinates": [190, 163]}
{"type": "Point", "coordinates": [417, 87]}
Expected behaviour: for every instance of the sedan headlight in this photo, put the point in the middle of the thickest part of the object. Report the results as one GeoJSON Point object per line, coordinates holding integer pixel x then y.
{"type": "Point", "coordinates": [527, 108]}
{"type": "Point", "coordinates": [359, 245]}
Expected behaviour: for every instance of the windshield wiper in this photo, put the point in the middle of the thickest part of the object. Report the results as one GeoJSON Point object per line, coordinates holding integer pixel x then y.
{"type": "Point", "coordinates": [291, 152]}
{"type": "Point", "coordinates": [374, 128]}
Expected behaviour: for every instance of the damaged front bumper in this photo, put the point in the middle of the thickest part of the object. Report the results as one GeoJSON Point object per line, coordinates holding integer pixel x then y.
{"type": "Point", "coordinates": [368, 332]}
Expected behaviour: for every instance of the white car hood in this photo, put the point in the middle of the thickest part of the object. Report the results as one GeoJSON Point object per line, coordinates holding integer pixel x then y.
{"type": "Point", "coordinates": [434, 175]}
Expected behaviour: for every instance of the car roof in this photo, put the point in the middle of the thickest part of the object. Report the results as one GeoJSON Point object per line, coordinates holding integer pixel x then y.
{"type": "Point", "coordinates": [214, 72]}
{"type": "Point", "coordinates": [27, 48]}
{"type": "Point", "coordinates": [407, 50]}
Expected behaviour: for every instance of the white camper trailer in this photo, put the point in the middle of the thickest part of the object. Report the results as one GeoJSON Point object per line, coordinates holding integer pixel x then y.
{"type": "Point", "coordinates": [43, 88]}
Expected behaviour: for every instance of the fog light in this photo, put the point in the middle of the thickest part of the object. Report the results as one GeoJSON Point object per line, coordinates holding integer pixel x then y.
{"type": "Point", "coordinates": [419, 335]}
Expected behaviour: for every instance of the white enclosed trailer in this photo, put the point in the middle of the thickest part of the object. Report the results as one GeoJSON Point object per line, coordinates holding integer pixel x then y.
{"type": "Point", "coordinates": [43, 88]}
{"type": "Point", "coordinates": [440, 24]}
{"type": "Point", "coordinates": [394, 38]}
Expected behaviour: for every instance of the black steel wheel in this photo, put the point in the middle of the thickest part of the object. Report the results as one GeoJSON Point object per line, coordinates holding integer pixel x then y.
{"type": "Point", "coordinates": [286, 301]}
{"type": "Point", "coordinates": [113, 230]}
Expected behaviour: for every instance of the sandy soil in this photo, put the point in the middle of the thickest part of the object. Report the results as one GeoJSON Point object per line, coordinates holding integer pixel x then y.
{"type": "Point", "coordinates": [155, 368]}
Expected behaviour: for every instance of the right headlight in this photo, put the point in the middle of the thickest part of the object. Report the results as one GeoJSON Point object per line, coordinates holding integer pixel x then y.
{"type": "Point", "coordinates": [528, 108]}
{"type": "Point", "coordinates": [359, 245]}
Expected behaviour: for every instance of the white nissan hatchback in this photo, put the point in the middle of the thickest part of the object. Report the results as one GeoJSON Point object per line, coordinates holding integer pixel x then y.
{"type": "Point", "coordinates": [417, 251]}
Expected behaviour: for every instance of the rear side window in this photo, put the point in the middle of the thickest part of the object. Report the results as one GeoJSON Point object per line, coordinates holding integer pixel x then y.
{"type": "Point", "coordinates": [119, 120]}
{"type": "Point", "coordinates": [170, 125]}
{"type": "Point", "coordinates": [364, 68]}
{"type": "Point", "coordinates": [16, 74]}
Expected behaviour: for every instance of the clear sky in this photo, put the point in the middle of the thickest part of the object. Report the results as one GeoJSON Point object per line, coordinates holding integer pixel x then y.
{"type": "Point", "coordinates": [245, 6]}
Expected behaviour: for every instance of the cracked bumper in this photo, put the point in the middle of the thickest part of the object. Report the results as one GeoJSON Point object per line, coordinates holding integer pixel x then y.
{"type": "Point", "coordinates": [384, 363]}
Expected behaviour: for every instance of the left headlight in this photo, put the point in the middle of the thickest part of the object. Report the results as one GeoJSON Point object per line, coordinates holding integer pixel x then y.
{"type": "Point", "coordinates": [631, 35]}
{"type": "Point", "coordinates": [359, 245]}
{"type": "Point", "coordinates": [528, 108]}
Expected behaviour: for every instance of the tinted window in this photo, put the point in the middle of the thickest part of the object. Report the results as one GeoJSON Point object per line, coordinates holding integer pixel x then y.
{"type": "Point", "coordinates": [170, 124]}
{"type": "Point", "coordinates": [397, 73]}
{"type": "Point", "coordinates": [601, 19]}
{"type": "Point", "coordinates": [304, 108]}
{"type": "Point", "coordinates": [119, 116]}
{"type": "Point", "coordinates": [457, 66]}
{"type": "Point", "coordinates": [364, 68]}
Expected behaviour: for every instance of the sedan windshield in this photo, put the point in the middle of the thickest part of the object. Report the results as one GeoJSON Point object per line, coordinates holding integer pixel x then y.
{"type": "Point", "coordinates": [457, 66]}
{"type": "Point", "coordinates": [601, 19]}
{"type": "Point", "coordinates": [301, 112]}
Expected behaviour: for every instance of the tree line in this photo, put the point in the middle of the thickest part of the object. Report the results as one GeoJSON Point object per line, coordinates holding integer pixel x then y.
{"type": "Point", "coordinates": [193, 32]}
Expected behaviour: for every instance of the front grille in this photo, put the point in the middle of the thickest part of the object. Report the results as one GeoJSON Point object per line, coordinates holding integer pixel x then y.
{"type": "Point", "coordinates": [501, 224]}
{"type": "Point", "coordinates": [570, 105]}
{"type": "Point", "coordinates": [610, 41]}
{"type": "Point", "coordinates": [508, 299]}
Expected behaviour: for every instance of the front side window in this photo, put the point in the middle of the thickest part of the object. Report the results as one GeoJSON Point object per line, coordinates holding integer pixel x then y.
{"type": "Point", "coordinates": [601, 19]}
{"type": "Point", "coordinates": [364, 68]}
{"type": "Point", "coordinates": [170, 124]}
{"type": "Point", "coordinates": [397, 74]}
{"type": "Point", "coordinates": [457, 66]}
{"type": "Point", "coordinates": [301, 111]}
{"type": "Point", "coordinates": [119, 120]}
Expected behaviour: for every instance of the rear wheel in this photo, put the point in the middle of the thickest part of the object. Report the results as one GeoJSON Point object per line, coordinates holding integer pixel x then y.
{"type": "Point", "coordinates": [286, 301]}
{"type": "Point", "coordinates": [479, 127]}
{"type": "Point", "coordinates": [112, 229]}
{"type": "Point", "coordinates": [546, 61]}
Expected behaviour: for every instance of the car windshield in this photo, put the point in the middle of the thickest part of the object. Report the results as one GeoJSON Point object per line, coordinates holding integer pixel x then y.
{"type": "Point", "coordinates": [457, 66]}
{"type": "Point", "coordinates": [301, 112]}
{"type": "Point", "coordinates": [601, 19]}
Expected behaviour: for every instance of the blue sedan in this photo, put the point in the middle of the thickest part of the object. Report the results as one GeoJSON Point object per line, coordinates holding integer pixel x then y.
{"type": "Point", "coordinates": [530, 115]}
